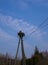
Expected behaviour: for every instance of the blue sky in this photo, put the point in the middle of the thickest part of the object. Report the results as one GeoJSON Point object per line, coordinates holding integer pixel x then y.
{"type": "Point", "coordinates": [25, 15]}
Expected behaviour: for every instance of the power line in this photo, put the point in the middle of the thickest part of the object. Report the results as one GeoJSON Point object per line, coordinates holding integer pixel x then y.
{"type": "Point", "coordinates": [41, 25]}
{"type": "Point", "coordinates": [43, 22]}
{"type": "Point", "coordinates": [44, 26]}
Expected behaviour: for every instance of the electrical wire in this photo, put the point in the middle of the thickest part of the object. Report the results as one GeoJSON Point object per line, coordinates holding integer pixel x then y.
{"type": "Point", "coordinates": [41, 26]}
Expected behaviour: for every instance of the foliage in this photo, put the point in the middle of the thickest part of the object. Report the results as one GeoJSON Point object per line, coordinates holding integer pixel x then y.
{"type": "Point", "coordinates": [36, 57]}
{"type": "Point", "coordinates": [34, 60]}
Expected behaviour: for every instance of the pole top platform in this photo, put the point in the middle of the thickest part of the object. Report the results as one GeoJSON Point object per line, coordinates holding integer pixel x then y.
{"type": "Point", "coordinates": [21, 34]}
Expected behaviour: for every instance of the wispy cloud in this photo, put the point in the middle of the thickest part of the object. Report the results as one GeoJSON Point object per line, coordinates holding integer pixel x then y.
{"type": "Point", "coordinates": [5, 36]}
{"type": "Point", "coordinates": [19, 24]}
{"type": "Point", "coordinates": [16, 25]}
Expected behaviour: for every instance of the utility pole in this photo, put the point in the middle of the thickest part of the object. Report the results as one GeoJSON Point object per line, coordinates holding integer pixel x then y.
{"type": "Point", "coordinates": [21, 35]}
